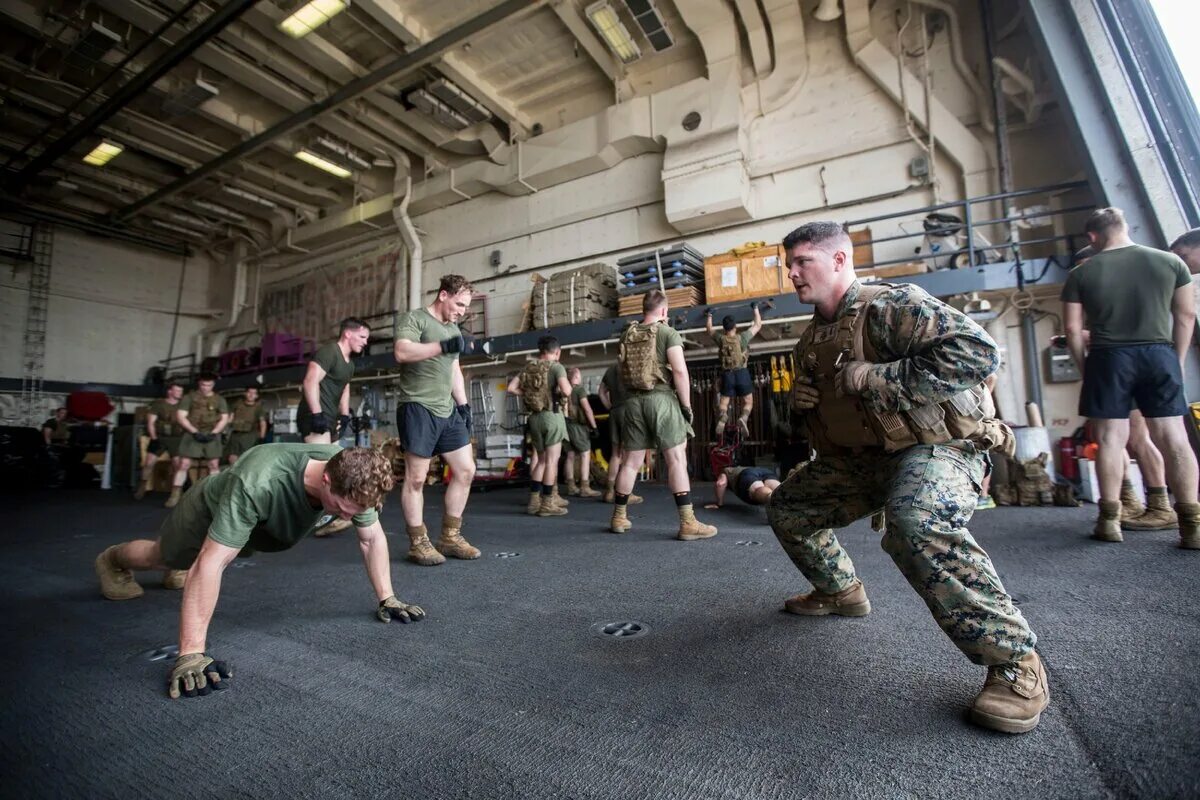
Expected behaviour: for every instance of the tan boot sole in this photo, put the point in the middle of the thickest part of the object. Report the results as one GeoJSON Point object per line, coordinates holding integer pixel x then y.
{"type": "Point", "coordinates": [1108, 536]}
{"type": "Point", "coordinates": [1004, 724]}
{"type": "Point", "coordinates": [620, 528]}
{"type": "Point", "coordinates": [427, 561]}
{"type": "Point", "coordinates": [135, 592]}
{"type": "Point", "coordinates": [554, 511]}
{"type": "Point", "coordinates": [1138, 525]}
{"type": "Point", "coordinates": [1190, 544]}
{"type": "Point", "coordinates": [456, 552]}
{"type": "Point", "coordinates": [852, 610]}
{"type": "Point", "coordinates": [691, 537]}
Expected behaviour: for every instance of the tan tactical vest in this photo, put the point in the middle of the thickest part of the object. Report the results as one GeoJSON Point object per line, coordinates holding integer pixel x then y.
{"type": "Point", "coordinates": [731, 353]}
{"type": "Point", "coordinates": [245, 417]}
{"type": "Point", "coordinates": [841, 424]}
{"type": "Point", "coordinates": [205, 411]}
{"type": "Point", "coordinates": [637, 355]}
{"type": "Point", "coordinates": [535, 386]}
{"type": "Point", "coordinates": [164, 422]}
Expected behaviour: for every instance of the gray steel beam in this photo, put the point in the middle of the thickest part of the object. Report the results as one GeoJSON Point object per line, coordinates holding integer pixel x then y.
{"type": "Point", "coordinates": [197, 36]}
{"type": "Point", "coordinates": [1056, 32]}
{"type": "Point", "coordinates": [409, 62]}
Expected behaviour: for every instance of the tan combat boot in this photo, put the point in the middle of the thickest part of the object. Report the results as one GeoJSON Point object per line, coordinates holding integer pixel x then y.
{"type": "Point", "coordinates": [174, 578]}
{"type": "Point", "coordinates": [610, 494]}
{"type": "Point", "coordinates": [620, 520]}
{"type": "Point", "coordinates": [1189, 525]}
{"type": "Point", "coordinates": [1013, 697]}
{"type": "Point", "coordinates": [1108, 524]}
{"type": "Point", "coordinates": [572, 489]}
{"type": "Point", "coordinates": [549, 508]}
{"type": "Point", "coordinates": [1158, 516]}
{"type": "Point", "coordinates": [173, 500]}
{"type": "Point", "coordinates": [451, 542]}
{"type": "Point", "coordinates": [421, 551]}
{"type": "Point", "coordinates": [535, 502]}
{"type": "Point", "coordinates": [558, 499]}
{"type": "Point", "coordinates": [1131, 506]}
{"type": "Point", "coordinates": [691, 528]}
{"type": "Point", "coordinates": [744, 426]}
{"type": "Point", "coordinates": [116, 582]}
{"type": "Point", "coordinates": [850, 602]}
{"type": "Point", "coordinates": [140, 492]}
{"type": "Point", "coordinates": [587, 491]}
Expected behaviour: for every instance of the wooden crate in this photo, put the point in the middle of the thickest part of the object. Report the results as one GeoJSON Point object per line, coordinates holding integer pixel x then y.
{"type": "Point", "coordinates": [757, 273]}
{"type": "Point", "coordinates": [864, 251]}
{"type": "Point", "coordinates": [683, 297]}
{"type": "Point", "coordinates": [892, 271]}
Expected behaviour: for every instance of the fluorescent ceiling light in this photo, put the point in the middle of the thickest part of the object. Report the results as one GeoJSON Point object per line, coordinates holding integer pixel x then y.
{"type": "Point", "coordinates": [220, 211]}
{"type": "Point", "coordinates": [339, 150]}
{"type": "Point", "coordinates": [323, 163]}
{"type": "Point", "coordinates": [312, 16]}
{"type": "Point", "coordinates": [103, 153]}
{"type": "Point", "coordinates": [605, 18]}
{"type": "Point", "coordinates": [248, 196]}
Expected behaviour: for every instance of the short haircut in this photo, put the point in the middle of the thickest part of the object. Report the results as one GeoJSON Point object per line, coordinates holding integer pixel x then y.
{"type": "Point", "coordinates": [178, 383]}
{"type": "Point", "coordinates": [571, 373]}
{"type": "Point", "coordinates": [548, 344]}
{"type": "Point", "coordinates": [1104, 220]}
{"type": "Point", "coordinates": [453, 284]}
{"type": "Point", "coordinates": [727, 322]}
{"type": "Point", "coordinates": [653, 301]}
{"type": "Point", "coordinates": [1187, 241]}
{"type": "Point", "coordinates": [206, 376]}
{"type": "Point", "coordinates": [352, 324]}
{"type": "Point", "coordinates": [361, 474]}
{"type": "Point", "coordinates": [818, 234]}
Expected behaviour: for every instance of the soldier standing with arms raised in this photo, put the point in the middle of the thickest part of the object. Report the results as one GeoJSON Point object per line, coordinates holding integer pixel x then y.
{"type": "Point", "coordinates": [889, 385]}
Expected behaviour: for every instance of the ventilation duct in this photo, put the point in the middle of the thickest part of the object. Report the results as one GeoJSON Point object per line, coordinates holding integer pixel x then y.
{"type": "Point", "coordinates": [438, 111]}
{"type": "Point", "coordinates": [458, 100]}
{"type": "Point", "coordinates": [648, 18]}
{"type": "Point", "coordinates": [94, 42]}
{"type": "Point", "coordinates": [188, 99]}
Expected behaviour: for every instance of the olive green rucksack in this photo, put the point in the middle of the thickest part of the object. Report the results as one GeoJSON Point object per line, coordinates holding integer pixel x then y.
{"type": "Point", "coordinates": [535, 385]}
{"type": "Point", "coordinates": [731, 353]}
{"type": "Point", "coordinates": [638, 356]}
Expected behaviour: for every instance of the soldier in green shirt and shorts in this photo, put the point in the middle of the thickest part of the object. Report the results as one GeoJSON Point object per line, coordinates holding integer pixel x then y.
{"type": "Point", "coordinates": [434, 418]}
{"type": "Point", "coordinates": [612, 395]}
{"type": "Point", "coordinates": [249, 425]}
{"type": "Point", "coordinates": [202, 415]}
{"type": "Point", "coordinates": [536, 385]}
{"type": "Point", "coordinates": [164, 431]}
{"type": "Point", "coordinates": [581, 424]}
{"type": "Point", "coordinates": [268, 501]}
{"type": "Point", "coordinates": [657, 414]}
{"type": "Point", "coordinates": [324, 409]}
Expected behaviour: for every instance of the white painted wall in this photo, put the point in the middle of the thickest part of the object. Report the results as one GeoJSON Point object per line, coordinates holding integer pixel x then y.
{"type": "Point", "coordinates": [111, 309]}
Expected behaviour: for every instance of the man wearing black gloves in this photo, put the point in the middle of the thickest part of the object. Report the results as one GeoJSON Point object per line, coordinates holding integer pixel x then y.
{"type": "Point", "coordinates": [434, 418]}
{"type": "Point", "coordinates": [324, 410]}
{"type": "Point", "coordinates": [268, 501]}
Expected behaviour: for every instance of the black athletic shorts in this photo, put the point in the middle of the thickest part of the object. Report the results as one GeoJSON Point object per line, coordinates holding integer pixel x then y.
{"type": "Point", "coordinates": [750, 476]}
{"type": "Point", "coordinates": [1114, 378]}
{"type": "Point", "coordinates": [736, 383]}
{"type": "Point", "coordinates": [424, 435]}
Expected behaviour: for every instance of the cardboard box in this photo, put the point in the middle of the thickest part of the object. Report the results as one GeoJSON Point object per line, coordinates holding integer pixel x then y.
{"type": "Point", "coordinates": [760, 272]}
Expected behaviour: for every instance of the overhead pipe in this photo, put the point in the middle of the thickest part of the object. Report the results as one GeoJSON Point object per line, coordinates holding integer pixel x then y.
{"type": "Point", "coordinates": [412, 242]}
{"type": "Point", "coordinates": [197, 36]}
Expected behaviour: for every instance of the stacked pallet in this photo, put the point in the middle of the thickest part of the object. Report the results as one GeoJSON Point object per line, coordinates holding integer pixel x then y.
{"type": "Point", "coordinates": [672, 267]}
{"type": "Point", "coordinates": [578, 295]}
{"type": "Point", "coordinates": [683, 297]}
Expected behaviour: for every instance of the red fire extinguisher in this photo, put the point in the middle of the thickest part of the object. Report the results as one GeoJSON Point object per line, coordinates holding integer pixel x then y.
{"type": "Point", "coordinates": [1067, 465]}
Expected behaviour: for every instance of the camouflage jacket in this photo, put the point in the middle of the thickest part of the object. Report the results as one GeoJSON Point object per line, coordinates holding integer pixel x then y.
{"type": "Point", "coordinates": [928, 351]}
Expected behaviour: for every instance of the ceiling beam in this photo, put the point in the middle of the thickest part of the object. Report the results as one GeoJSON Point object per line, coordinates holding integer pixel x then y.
{"type": "Point", "coordinates": [582, 31]}
{"type": "Point", "coordinates": [407, 63]}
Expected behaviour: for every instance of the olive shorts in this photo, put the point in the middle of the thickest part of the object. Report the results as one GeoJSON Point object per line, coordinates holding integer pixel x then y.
{"type": "Point", "coordinates": [184, 530]}
{"type": "Point", "coordinates": [652, 421]}
{"type": "Point", "coordinates": [190, 448]}
{"type": "Point", "coordinates": [240, 443]}
{"type": "Point", "coordinates": [577, 437]}
{"type": "Point", "coordinates": [546, 429]}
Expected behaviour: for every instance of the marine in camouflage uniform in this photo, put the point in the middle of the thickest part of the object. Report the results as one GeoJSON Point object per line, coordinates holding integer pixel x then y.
{"type": "Point", "coordinates": [924, 355]}
{"type": "Point", "coordinates": [248, 425]}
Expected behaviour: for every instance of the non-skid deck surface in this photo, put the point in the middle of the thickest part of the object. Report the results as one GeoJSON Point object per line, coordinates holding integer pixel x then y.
{"type": "Point", "coordinates": [507, 691]}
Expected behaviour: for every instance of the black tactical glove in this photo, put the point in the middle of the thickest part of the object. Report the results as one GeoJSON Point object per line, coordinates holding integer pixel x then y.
{"type": "Point", "coordinates": [320, 423]}
{"type": "Point", "coordinates": [687, 414]}
{"type": "Point", "coordinates": [708, 312]}
{"type": "Point", "coordinates": [343, 424]}
{"type": "Point", "coordinates": [462, 343]}
{"type": "Point", "coordinates": [196, 675]}
{"type": "Point", "coordinates": [202, 438]}
{"type": "Point", "coordinates": [155, 447]}
{"type": "Point", "coordinates": [464, 411]}
{"type": "Point", "coordinates": [593, 433]}
{"type": "Point", "coordinates": [391, 609]}
{"type": "Point", "coordinates": [753, 305]}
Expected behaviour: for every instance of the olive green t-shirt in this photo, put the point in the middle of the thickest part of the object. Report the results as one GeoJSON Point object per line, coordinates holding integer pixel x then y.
{"type": "Point", "coordinates": [1126, 295]}
{"type": "Point", "coordinates": [578, 394]}
{"type": "Point", "coordinates": [59, 431]}
{"type": "Point", "coordinates": [203, 412]}
{"type": "Point", "coordinates": [164, 417]}
{"type": "Point", "coordinates": [427, 382]}
{"type": "Point", "coordinates": [719, 336]}
{"type": "Point", "coordinates": [260, 501]}
{"type": "Point", "coordinates": [338, 372]}
{"type": "Point", "coordinates": [246, 417]}
{"type": "Point", "coordinates": [666, 338]}
{"type": "Point", "coordinates": [616, 389]}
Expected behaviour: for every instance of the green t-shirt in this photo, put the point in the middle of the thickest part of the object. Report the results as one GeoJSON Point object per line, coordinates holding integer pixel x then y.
{"type": "Point", "coordinates": [246, 417]}
{"type": "Point", "coordinates": [164, 417]}
{"type": "Point", "coordinates": [1126, 295]}
{"type": "Point", "coordinates": [616, 389]}
{"type": "Point", "coordinates": [338, 372]}
{"type": "Point", "coordinates": [578, 393]}
{"type": "Point", "coordinates": [260, 501]}
{"type": "Point", "coordinates": [427, 382]}
{"type": "Point", "coordinates": [59, 431]}
{"type": "Point", "coordinates": [666, 338]}
{"type": "Point", "coordinates": [203, 412]}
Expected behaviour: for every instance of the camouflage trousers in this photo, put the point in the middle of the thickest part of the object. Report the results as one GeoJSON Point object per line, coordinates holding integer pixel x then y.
{"type": "Point", "coordinates": [928, 493]}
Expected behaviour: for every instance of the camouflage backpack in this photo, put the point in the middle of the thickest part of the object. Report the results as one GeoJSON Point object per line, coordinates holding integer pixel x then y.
{"type": "Point", "coordinates": [535, 385]}
{"type": "Point", "coordinates": [638, 356]}
{"type": "Point", "coordinates": [730, 351]}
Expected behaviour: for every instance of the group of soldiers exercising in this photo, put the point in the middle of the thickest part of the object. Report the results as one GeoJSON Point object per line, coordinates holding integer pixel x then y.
{"type": "Point", "coordinates": [889, 388]}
